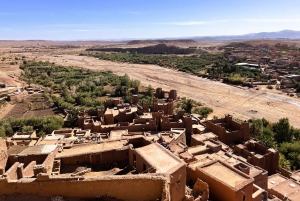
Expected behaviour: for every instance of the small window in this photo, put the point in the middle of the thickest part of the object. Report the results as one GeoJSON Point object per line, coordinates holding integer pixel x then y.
{"type": "Point", "coordinates": [244, 198]}
{"type": "Point", "coordinates": [134, 157]}
{"type": "Point", "coordinates": [144, 167]}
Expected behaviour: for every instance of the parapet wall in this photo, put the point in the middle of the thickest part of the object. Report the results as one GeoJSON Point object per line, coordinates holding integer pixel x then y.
{"type": "Point", "coordinates": [135, 187]}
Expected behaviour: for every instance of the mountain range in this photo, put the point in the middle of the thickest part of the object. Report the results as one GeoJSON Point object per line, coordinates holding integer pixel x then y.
{"type": "Point", "coordinates": [284, 34]}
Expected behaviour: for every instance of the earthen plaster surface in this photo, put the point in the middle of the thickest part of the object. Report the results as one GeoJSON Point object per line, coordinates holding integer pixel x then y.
{"type": "Point", "coordinates": [225, 174]}
{"type": "Point", "coordinates": [159, 158]}
{"type": "Point", "coordinates": [92, 148]}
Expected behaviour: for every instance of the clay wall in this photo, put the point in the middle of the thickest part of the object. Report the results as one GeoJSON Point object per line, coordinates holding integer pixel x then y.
{"type": "Point", "coordinates": [218, 130]}
{"type": "Point", "coordinates": [272, 162]}
{"type": "Point", "coordinates": [217, 190]}
{"type": "Point", "coordinates": [26, 159]}
{"type": "Point", "coordinates": [131, 188]}
{"type": "Point", "coordinates": [258, 161]}
{"type": "Point", "coordinates": [28, 170]}
{"type": "Point", "coordinates": [177, 182]}
{"type": "Point", "coordinates": [285, 172]}
{"type": "Point", "coordinates": [261, 180]}
{"type": "Point", "coordinates": [11, 173]}
{"type": "Point", "coordinates": [138, 142]}
{"type": "Point", "coordinates": [231, 137]}
{"type": "Point", "coordinates": [151, 126]}
{"type": "Point", "coordinates": [12, 97]}
{"type": "Point", "coordinates": [101, 158]}
{"type": "Point", "coordinates": [139, 163]}
{"type": "Point", "coordinates": [48, 163]}
{"type": "Point", "coordinates": [245, 193]}
{"type": "Point", "coordinates": [166, 126]}
{"type": "Point", "coordinates": [109, 119]}
{"type": "Point", "coordinates": [234, 125]}
{"type": "Point", "coordinates": [180, 138]}
{"type": "Point", "coordinates": [3, 155]}
{"type": "Point", "coordinates": [173, 94]}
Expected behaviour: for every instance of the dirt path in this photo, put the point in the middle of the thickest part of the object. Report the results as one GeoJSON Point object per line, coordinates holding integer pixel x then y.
{"type": "Point", "coordinates": [241, 102]}
{"type": "Point", "coordinates": [5, 110]}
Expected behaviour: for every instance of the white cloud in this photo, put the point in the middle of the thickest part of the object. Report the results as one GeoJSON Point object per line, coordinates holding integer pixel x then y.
{"type": "Point", "coordinates": [193, 23]}
{"type": "Point", "coordinates": [271, 20]}
{"type": "Point", "coordinates": [81, 30]}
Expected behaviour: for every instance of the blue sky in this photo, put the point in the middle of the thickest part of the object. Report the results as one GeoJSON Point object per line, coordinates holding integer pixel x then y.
{"type": "Point", "coordinates": [121, 19]}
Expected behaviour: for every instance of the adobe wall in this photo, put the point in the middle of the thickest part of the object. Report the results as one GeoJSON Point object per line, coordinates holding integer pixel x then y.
{"type": "Point", "coordinates": [100, 158]}
{"type": "Point", "coordinates": [3, 155]}
{"type": "Point", "coordinates": [151, 126]}
{"type": "Point", "coordinates": [138, 142]}
{"type": "Point", "coordinates": [177, 182]}
{"type": "Point", "coordinates": [131, 188]}
{"type": "Point", "coordinates": [26, 159]}
{"type": "Point", "coordinates": [261, 180]}
{"type": "Point", "coordinates": [217, 190]}
{"type": "Point", "coordinates": [28, 170]}
{"type": "Point", "coordinates": [245, 192]}
{"type": "Point", "coordinates": [218, 130]}
{"type": "Point", "coordinates": [48, 163]}
{"type": "Point", "coordinates": [285, 172]}
{"type": "Point", "coordinates": [234, 125]}
{"type": "Point", "coordinates": [139, 163]}
{"type": "Point", "coordinates": [11, 173]}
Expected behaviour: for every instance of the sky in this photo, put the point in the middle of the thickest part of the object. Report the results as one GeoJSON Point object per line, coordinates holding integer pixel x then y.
{"type": "Point", "coordinates": [142, 19]}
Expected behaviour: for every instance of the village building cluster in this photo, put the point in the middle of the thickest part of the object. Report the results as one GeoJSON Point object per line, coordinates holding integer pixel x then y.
{"type": "Point", "coordinates": [280, 63]}
{"type": "Point", "coordinates": [138, 152]}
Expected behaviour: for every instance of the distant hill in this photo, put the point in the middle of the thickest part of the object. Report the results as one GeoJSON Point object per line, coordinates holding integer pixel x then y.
{"type": "Point", "coordinates": [153, 49]}
{"type": "Point", "coordinates": [285, 34]}
{"type": "Point", "coordinates": [141, 42]}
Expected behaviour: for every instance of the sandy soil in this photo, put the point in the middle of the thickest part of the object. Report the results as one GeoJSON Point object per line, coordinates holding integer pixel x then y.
{"type": "Point", "coordinates": [241, 102]}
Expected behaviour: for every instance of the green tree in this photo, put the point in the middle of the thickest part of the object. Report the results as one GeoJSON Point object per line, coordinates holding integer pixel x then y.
{"type": "Point", "coordinates": [188, 105]}
{"type": "Point", "coordinates": [282, 131]}
{"type": "Point", "coordinates": [27, 128]}
{"type": "Point", "coordinates": [256, 127]}
{"type": "Point", "coordinates": [284, 163]}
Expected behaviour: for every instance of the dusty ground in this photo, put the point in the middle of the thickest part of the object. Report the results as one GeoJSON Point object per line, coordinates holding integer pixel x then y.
{"type": "Point", "coordinates": [241, 102]}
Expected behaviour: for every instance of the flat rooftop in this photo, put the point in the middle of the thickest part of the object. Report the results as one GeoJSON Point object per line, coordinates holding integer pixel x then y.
{"type": "Point", "coordinates": [296, 175]}
{"type": "Point", "coordinates": [117, 134]}
{"type": "Point", "coordinates": [288, 189]}
{"type": "Point", "coordinates": [204, 136]}
{"type": "Point", "coordinates": [25, 150]}
{"type": "Point", "coordinates": [196, 150]}
{"type": "Point", "coordinates": [91, 148]}
{"type": "Point", "coordinates": [275, 180]}
{"type": "Point", "coordinates": [159, 157]}
{"type": "Point", "coordinates": [225, 174]}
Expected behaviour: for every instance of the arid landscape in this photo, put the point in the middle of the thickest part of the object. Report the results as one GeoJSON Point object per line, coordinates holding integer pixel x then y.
{"type": "Point", "coordinates": [68, 122]}
{"type": "Point", "coordinates": [242, 102]}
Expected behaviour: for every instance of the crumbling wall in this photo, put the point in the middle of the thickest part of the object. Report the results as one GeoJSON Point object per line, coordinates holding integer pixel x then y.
{"type": "Point", "coordinates": [131, 188]}
{"type": "Point", "coordinates": [201, 188]}
{"type": "Point", "coordinates": [28, 170]}
{"type": "Point", "coordinates": [217, 189]}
